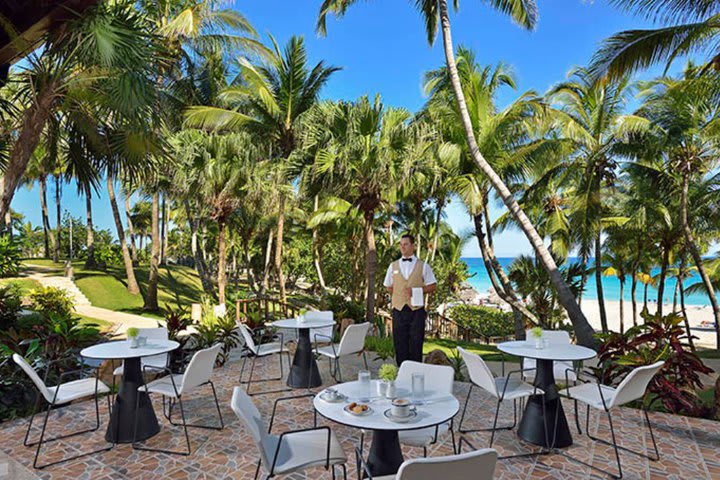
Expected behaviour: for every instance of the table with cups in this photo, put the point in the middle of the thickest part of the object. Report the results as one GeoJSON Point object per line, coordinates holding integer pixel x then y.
{"type": "Point", "coordinates": [370, 405]}
{"type": "Point", "coordinates": [120, 427]}
{"type": "Point", "coordinates": [532, 425]}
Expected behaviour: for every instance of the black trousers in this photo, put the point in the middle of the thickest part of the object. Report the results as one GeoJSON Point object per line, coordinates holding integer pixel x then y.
{"type": "Point", "coordinates": [408, 333]}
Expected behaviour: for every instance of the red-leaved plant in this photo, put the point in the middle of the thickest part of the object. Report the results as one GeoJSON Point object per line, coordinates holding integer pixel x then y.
{"type": "Point", "coordinates": [659, 338]}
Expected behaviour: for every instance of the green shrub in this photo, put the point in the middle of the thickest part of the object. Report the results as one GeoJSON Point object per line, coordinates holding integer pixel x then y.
{"type": "Point", "coordinates": [50, 300]}
{"type": "Point", "coordinates": [344, 308]}
{"type": "Point", "coordinates": [10, 255]}
{"type": "Point", "coordinates": [486, 321]}
{"type": "Point", "coordinates": [10, 305]}
{"type": "Point", "coordinates": [382, 346]}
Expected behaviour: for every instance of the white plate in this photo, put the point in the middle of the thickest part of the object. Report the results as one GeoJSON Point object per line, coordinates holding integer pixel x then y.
{"type": "Point", "coordinates": [388, 414]}
{"type": "Point", "coordinates": [364, 414]}
{"type": "Point", "coordinates": [338, 399]}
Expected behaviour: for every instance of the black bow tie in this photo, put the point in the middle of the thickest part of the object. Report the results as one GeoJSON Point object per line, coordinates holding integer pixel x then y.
{"type": "Point", "coordinates": [407, 259]}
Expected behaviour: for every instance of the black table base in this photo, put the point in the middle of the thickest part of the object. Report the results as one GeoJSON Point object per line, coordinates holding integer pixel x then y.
{"type": "Point", "coordinates": [304, 372]}
{"type": "Point", "coordinates": [533, 424]}
{"type": "Point", "coordinates": [122, 421]}
{"type": "Point", "coordinates": [385, 453]}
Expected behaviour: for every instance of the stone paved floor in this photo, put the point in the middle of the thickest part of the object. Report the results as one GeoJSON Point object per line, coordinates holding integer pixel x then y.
{"type": "Point", "coordinates": [690, 448]}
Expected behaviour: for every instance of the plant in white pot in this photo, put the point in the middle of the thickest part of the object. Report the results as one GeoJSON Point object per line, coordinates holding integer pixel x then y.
{"type": "Point", "coordinates": [132, 335]}
{"type": "Point", "coordinates": [387, 374]}
{"type": "Point", "coordinates": [537, 334]}
{"type": "Point", "coordinates": [301, 315]}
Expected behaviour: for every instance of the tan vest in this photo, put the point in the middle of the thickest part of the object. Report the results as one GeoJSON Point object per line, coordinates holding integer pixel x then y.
{"type": "Point", "coordinates": [415, 280]}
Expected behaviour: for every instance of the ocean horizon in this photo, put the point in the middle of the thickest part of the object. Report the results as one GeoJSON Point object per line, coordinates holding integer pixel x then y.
{"type": "Point", "coordinates": [611, 285]}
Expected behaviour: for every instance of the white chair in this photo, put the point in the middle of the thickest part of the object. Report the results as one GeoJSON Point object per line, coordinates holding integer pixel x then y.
{"type": "Point", "coordinates": [158, 362]}
{"type": "Point", "coordinates": [438, 382]}
{"type": "Point", "coordinates": [174, 385]}
{"type": "Point", "coordinates": [560, 368]}
{"type": "Point", "coordinates": [324, 332]}
{"type": "Point", "coordinates": [59, 395]}
{"type": "Point", "coordinates": [602, 397]}
{"type": "Point", "coordinates": [291, 451]}
{"type": "Point", "coordinates": [352, 342]}
{"type": "Point", "coordinates": [502, 388]}
{"type": "Point", "coordinates": [262, 350]}
{"type": "Point", "coordinates": [475, 465]}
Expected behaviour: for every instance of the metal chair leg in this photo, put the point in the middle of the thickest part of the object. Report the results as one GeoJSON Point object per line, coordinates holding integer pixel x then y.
{"type": "Point", "coordinates": [652, 437]}
{"type": "Point", "coordinates": [257, 470]}
{"type": "Point", "coordinates": [208, 427]}
{"type": "Point", "coordinates": [495, 427]}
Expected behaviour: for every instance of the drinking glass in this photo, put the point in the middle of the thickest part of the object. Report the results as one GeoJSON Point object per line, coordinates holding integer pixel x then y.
{"type": "Point", "coordinates": [418, 388]}
{"type": "Point", "coordinates": [364, 381]}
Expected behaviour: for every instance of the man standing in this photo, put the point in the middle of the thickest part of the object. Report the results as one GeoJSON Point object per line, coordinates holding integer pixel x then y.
{"type": "Point", "coordinates": [408, 280]}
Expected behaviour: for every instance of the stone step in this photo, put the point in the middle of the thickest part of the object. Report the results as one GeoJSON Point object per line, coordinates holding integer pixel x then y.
{"type": "Point", "coordinates": [69, 286]}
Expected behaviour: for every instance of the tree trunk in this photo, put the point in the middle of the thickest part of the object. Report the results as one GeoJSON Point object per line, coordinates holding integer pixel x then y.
{"type": "Point", "coordinates": [197, 253]}
{"type": "Point", "coordinates": [633, 292]}
{"type": "Point", "coordinates": [268, 257]}
{"type": "Point", "coordinates": [695, 254]}
{"type": "Point", "coordinates": [663, 274]}
{"type": "Point", "coordinates": [316, 250]}
{"type": "Point", "coordinates": [598, 283]}
{"type": "Point", "coordinates": [583, 277]}
{"type": "Point", "coordinates": [436, 239]}
{"type": "Point", "coordinates": [132, 285]}
{"type": "Point", "coordinates": [279, 247]}
{"type": "Point", "coordinates": [682, 303]}
{"type": "Point", "coordinates": [583, 330]}
{"type": "Point", "coordinates": [151, 296]}
{"type": "Point", "coordinates": [33, 122]}
{"type": "Point", "coordinates": [90, 262]}
{"type": "Point", "coordinates": [252, 282]}
{"type": "Point", "coordinates": [418, 228]}
{"type": "Point", "coordinates": [47, 231]}
{"type": "Point", "coordinates": [163, 232]}
{"type": "Point", "coordinates": [645, 296]}
{"type": "Point", "coordinates": [622, 305]}
{"type": "Point", "coordinates": [222, 259]}
{"type": "Point", "coordinates": [675, 295]}
{"type": "Point", "coordinates": [58, 219]}
{"type": "Point", "coordinates": [370, 267]}
{"type": "Point", "coordinates": [131, 230]}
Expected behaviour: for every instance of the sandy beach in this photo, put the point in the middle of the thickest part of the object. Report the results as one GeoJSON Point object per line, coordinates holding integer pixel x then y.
{"type": "Point", "coordinates": [696, 314]}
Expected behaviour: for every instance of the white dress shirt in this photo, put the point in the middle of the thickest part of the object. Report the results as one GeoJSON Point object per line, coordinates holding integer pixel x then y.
{"type": "Point", "coordinates": [406, 269]}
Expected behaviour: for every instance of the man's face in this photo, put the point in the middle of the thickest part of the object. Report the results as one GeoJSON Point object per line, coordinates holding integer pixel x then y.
{"type": "Point", "coordinates": [407, 248]}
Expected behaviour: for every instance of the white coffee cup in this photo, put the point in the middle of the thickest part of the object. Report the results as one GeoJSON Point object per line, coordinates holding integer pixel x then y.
{"type": "Point", "coordinates": [401, 407]}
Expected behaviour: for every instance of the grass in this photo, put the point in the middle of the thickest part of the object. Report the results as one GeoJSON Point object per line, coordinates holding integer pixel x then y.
{"type": "Point", "coordinates": [708, 353]}
{"type": "Point", "coordinates": [108, 288]}
{"type": "Point", "coordinates": [24, 284]}
{"type": "Point", "coordinates": [103, 325]}
{"type": "Point", "coordinates": [487, 352]}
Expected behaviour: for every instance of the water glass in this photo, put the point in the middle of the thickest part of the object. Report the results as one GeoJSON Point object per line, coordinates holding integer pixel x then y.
{"type": "Point", "coordinates": [364, 387]}
{"type": "Point", "coordinates": [418, 388]}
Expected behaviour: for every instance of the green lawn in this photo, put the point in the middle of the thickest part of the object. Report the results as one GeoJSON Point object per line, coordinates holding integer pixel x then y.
{"type": "Point", "coordinates": [108, 289]}
{"type": "Point", "coordinates": [24, 284]}
{"type": "Point", "coordinates": [488, 352]}
{"type": "Point", "coordinates": [708, 353]}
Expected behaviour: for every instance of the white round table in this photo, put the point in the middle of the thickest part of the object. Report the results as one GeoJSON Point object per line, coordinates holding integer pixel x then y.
{"type": "Point", "coordinates": [385, 455]}
{"type": "Point", "coordinates": [304, 372]}
{"type": "Point", "coordinates": [532, 425]}
{"type": "Point", "coordinates": [120, 427]}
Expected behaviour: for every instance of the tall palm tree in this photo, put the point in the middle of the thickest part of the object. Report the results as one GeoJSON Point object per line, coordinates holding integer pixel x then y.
{"type": "Point", "coordinates": [268, 99]}
{"type": "Point", "coordinates": [524, 13]}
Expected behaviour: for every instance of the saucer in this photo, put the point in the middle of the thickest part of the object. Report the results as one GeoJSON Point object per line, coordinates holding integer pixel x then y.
{"type": "Point", "coordinates": [367, 412]}
{"type": "Point", "coordinates": [388, 414]}
{"type": "Point", "coordinates": [338, 399]}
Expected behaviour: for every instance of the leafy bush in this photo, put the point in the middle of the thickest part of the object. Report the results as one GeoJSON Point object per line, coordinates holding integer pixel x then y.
{"type": "Point", "coordinates": [382, 346]}
{"type": "Point", "coordinates": [343, 307]}
{"type": "Point", "coordinates": [10, 255]}
{"type": "Point", "coordinates": [50, 300]}
{"type": "Point", "coordinates": [10, 305]}
{"type": "Point", "coordinates": [485, 321]}
{"type": "Point", "coordinates": [677, 384]}
{"type": "Point", "coordinates": [213, 329]}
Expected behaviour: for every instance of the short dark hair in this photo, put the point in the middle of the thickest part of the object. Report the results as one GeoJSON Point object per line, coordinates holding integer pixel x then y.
{"type": "Point", "coordinates": [409, 236]}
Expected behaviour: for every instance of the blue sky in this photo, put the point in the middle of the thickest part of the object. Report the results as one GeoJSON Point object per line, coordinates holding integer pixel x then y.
{"type": "Point", "coordinates": [382, 48]}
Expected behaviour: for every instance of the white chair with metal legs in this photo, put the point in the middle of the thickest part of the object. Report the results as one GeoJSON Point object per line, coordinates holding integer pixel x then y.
{"type": "Point", "coordinates": [291, 451]}
{"type": "Point", "coordinates": [475, 465]}
{"type": "Point", "coordinates": [351, 343]}
{"type": "Point", "coordinates": [602, 397]}
{"type": "Point", "coordinates": [325, 332]}
{"type": "Point", "coordinates": [554, 337]}
{"type": "Point", "coordinates": [259, 351]}
{"type": "Point", "coordinates": [502, 389]}
{"type": "Point", "coordinates": [174, 386]}
{"type": "Point", "coordinates": [59, 395]}
{"type": "Point", "coordinates": [158, 362]}
{"type": "Point", "coordinates": [438, 383]}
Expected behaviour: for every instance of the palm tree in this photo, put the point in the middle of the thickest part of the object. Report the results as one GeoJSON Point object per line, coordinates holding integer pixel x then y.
{"type": "Point", "coordinates": [615, 261]}
{"type": "Point", "coordinates": [693, 26]}
{"type": "Point", "coordinates": [523, 12]}
{"type": "Point", "coordinates": [268, 99]}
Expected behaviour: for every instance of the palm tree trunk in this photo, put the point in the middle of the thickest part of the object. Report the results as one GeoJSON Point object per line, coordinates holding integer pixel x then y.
{"type": "Point", "coordinates": [163, 231]}
{"type": "Point", "coordinates": [316, 250]}
{"type": "Point", "coordinates": [675, 295]}
{"type": "Point", "coordinates": [438, 216]}
{"type": "Point", "coordinates": [279, 247]}
{"type": "Point", "coordinates": [684, 314]}
{"type": "Point", "coordinates": [633, 292]}
{"type": "Point", "coordinates": [695, 254]}
{"type": "Point", "coordinates": [583, 330]}
{"type": "Point", "coordinates": [90, 262]}
{"type": "Point", "coordinates": [151, 296]}
{"type": "Point", "coordinates": [132, 285]}
{"type": "Point", "coordinates": [418, 228]}
{"type": "Point", "coordinates": [58, 219]}
{"type": "Point", "coordinates": [33, 122]}
{"type": "Point", "coordinates": [622, 305]}
{"type": "Point", "coordinates": [252, 282]}
{"type": "Point", "coordinates": [47, 231]}
{"type": "Point", "coordinates": [663, 274]}
{"type": "Point", "coordinates": [370, 266]}
{"type": "Point", "coordinates": [197, 252]}
{"type": "Point", "coordinates": [598, 283]}
{"type": "Point", "coordinates": [645, 296]}
{"type": "Point", "coordinates": [583, 277]}
{"type": "Point", "coordinates": [222, 259]}
{"type": "Point", "coordinates": [268, 256]}
{"type": "Point", "coordinates": [131, 230]}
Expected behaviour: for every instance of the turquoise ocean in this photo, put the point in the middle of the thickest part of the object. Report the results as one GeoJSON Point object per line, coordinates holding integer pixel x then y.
{"type": "Point", "coordinates": [611, 285]}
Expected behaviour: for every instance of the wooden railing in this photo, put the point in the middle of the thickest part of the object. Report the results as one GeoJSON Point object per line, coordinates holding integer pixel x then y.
{"type": "Point", "coordinates": [270, 308]}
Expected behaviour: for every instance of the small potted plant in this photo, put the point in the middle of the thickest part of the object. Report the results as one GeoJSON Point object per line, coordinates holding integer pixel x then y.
{"type": "Point", "coordinates": [132, 335]}
{"type": "Point", "coordinates": [537, 334]}
{"type": "Point", "coordinates": [301, 315]}
{"type": "Point", "coordinates": [387, 374]}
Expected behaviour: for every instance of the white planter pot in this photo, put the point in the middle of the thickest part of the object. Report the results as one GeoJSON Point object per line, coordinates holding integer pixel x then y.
{"type": "Point", "coordinates": [391, 391]}
{"type": "Point", "coordinates": [133, 342]}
